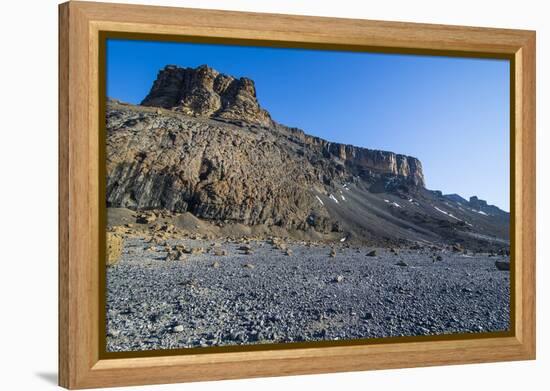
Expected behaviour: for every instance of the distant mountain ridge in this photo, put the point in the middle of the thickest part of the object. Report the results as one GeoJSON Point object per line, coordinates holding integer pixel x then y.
{"type": "Point", "coordinates": [201, 143]}
{"type": "Point", "coordinates": [481, 206]}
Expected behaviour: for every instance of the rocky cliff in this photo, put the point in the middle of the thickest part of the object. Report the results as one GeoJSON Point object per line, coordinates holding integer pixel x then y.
{"type": "Point", "coordinates": [215, 152]}
{"type": "Point", "coordinates": [204, 92]}
{"type": "Point", "coordinates": [217, 170]}
{"type": "Point", "coordinates": [366, 161]}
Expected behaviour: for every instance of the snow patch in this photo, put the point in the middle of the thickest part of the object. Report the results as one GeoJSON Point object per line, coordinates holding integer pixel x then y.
{"type": "Point", "coordinates": [343, 239]}
{"type": "Point", "coordinates": [333, 198]}
{"type": "Point", "coordinates": [452, 216]}
{"type": "Point", "coordinates": [396, 204]}
{"type": "Point", "coordinates": [342, 197]}
{"type": "Point", "coordinates": [447, 213]}
{"type": "Point", "coordinates": [320, 201]}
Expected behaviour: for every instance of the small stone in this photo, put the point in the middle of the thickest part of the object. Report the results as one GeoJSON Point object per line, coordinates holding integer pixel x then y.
{"type": "Point", "coordinates": [332, 253]}
{"type": "Point", "coordinates": [371, 253]}
{"type": "Point", "coordinates": [339, 279]}
{"type": "Point", "coordinates": [219, 252]}
{"type": "Point", "coordinates": [457, 248]}
{"type": "Point", "coordinates": [281, 246]}
{"type": "Point", "coordinates": [402, 264]}
{"type": "Point", "coordinates": [146, 218]}
{"type": "Point", "coordinates": [194, 250]}
{"type": "Point", "coordinates": [367, 316]}
{"type": "Point", "coordinates": [249, 265]}
{"type": "Point", "coordinates": [502, 265]}
{"type": "Point", "coordinates": [216, 265]}
{"type": "Point", "coordinates": [178, 328]}
{"type": "Point", "coordinates": [288, 252]}
{"type": "Point", "coordinates": [439, 258]}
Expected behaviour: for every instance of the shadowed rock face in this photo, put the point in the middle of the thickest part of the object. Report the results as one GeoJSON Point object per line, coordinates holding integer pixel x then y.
{"type": "Point", "coordinates": [215, 170]}
{"type": "Point", "coordinates": [242, 173]}
{"type": "Point", "coordinates": [204, 92]}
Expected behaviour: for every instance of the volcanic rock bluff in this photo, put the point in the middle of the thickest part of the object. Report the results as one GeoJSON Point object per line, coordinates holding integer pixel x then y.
{"type": "Point", "coordinates": [205, 92]}
{"type": "Point", "coordinates": [200, 143]}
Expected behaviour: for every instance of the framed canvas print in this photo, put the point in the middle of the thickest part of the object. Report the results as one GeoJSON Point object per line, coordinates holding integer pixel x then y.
{"type": "Point", "coordinates": [247, 195]}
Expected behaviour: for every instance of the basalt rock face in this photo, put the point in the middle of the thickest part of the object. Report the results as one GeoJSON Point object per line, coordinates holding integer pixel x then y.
{"type": "Point", "coordinates": [215, 170]}
{"type": "Point", "coordinates": [161, 159]}
{"type": "Point", "coordinates": [204, 92]}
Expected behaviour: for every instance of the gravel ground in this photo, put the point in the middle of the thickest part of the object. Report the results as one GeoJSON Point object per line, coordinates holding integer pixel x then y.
{"type": "Point", "coordinates": [270, 297]}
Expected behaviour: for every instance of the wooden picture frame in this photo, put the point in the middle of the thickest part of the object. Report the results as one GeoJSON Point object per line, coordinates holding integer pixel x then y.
{"type": "Point", "coordinates": [81, 24]}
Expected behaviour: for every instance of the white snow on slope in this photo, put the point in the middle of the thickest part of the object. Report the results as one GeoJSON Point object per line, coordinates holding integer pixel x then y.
{"type": "Point", "coordinates": [447, 213]}
{"type": "Point", "coordinates": [451, 215]}
{"type": "Point", "coordinates": [343, 198]}
{"type": "Point", "coordinates": [333, 198]}
{"type": "Point", "coordinates": [393, 203]}
{"type": "Point", "coordinates": [320, 200]}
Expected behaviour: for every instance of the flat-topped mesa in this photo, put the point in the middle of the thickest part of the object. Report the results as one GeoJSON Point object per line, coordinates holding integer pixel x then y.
{"type": "Point", "coordinates": [367, 160]}
{"type": "Point", "coordinates": [382, 162]}
{"type": "Point", "coordinates": [204, 92]}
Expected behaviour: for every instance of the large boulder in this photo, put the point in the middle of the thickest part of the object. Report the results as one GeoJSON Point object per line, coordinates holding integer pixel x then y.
{"type": "Point", "coordinates": [114, 248]}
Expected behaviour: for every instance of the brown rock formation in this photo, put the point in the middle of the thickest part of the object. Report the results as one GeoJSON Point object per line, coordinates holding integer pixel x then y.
{"type": "Point", "coordinates": [204, 92]}
{"type": "Point", "coordinates": [206, 147]}
{"type": "Point", "coordinates": [381, 162]}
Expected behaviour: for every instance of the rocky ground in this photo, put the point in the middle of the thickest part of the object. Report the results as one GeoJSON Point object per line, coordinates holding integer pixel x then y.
{"type": "Point", "coordinates": [199, 293]}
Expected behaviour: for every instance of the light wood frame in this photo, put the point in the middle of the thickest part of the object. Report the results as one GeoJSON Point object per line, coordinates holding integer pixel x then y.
{"type": "Point", "coordinates": [80, 23]}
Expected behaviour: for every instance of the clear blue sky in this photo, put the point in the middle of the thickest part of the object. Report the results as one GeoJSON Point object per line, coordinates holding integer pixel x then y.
{"type": "Point", "coordinates": [451, 113]}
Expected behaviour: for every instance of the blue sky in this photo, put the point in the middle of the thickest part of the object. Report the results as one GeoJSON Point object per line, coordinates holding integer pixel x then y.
{"type": "Point", "coordinates": [451, 113]}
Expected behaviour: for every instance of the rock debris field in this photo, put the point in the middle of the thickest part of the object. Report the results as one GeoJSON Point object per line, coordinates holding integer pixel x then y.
{"type": "Point", "coordinates": [229, 293]}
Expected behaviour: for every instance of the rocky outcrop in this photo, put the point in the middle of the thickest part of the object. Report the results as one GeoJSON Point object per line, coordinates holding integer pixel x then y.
{"type": "Point", "coordinates": [215, 170]}
{"type": "Point", "coordinates": [204, 92]}
{"type": "Point", "coordinates": [364, 160]}
{"type": "Point", "coordinates": [201, 143]}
